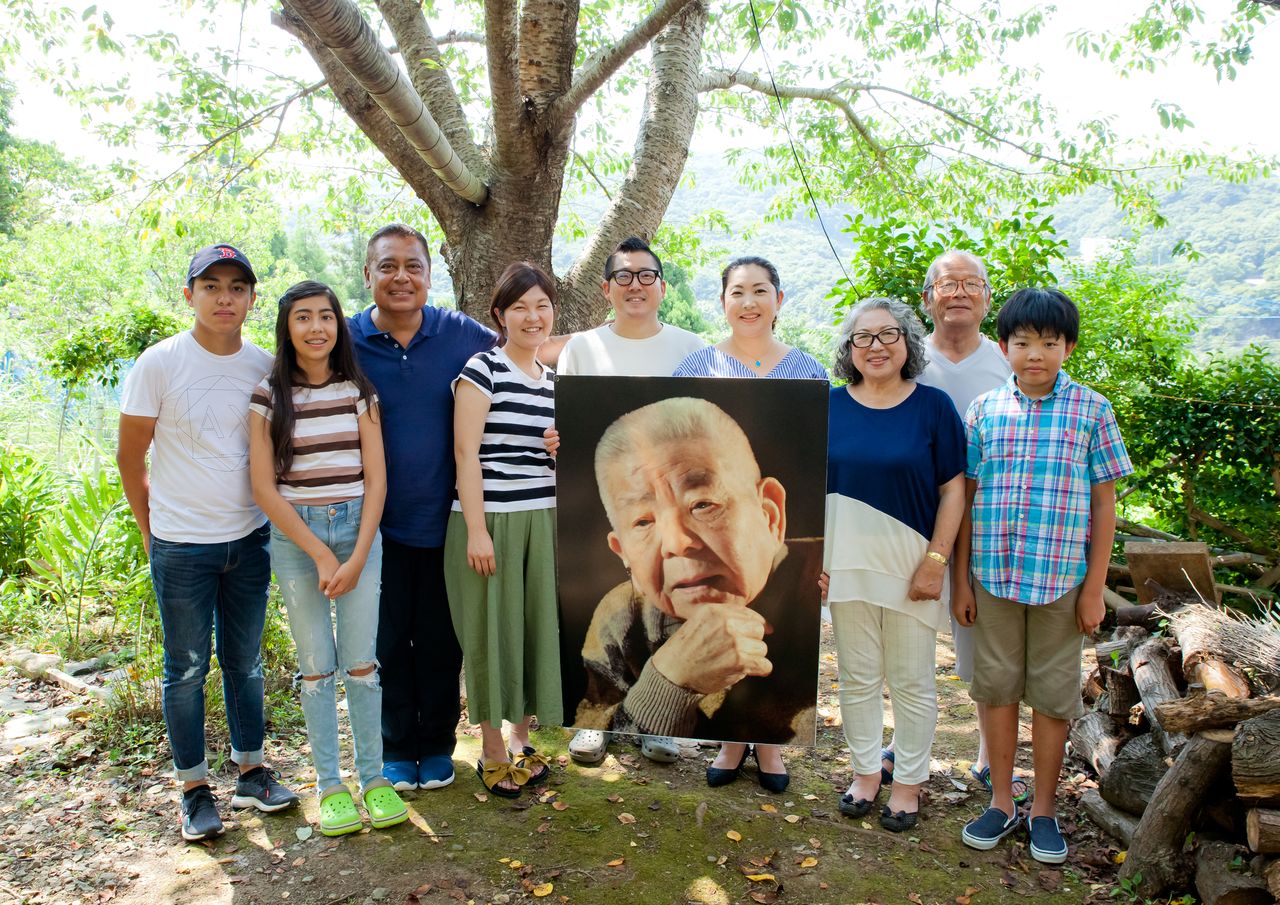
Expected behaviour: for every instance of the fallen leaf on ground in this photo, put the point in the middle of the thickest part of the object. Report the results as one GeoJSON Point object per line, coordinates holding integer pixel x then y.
{"type": "Point", "coordinates": [515, 865]}
{"type": "Point", "coordinates": [734, 835]}
{"type": "Point", "coordinates": [626, 818]}
{"type": "Point", "coordinates": [543, 889]}
{"type": "Point", "coordinates": [615, 798]}
{"type": "Point", "coordinates": [792, 818]}
{"type": "Point", "coordinates": [915, 897]}
{"type": "Point", "coordinates": [559, 805]}
{"type": "Point", "coordinates": [1050, 880]}
{"type": "Point", "coordinates": [616, 862]}
{"type": "Point", "coordinates": [809, 862]}
{"type": "Point", "coordinates": [762, 878]}
{"type": "Point", "coordinates": [811, 797]}
{"type": "Point", "coordinates": [504, 860]}
{"type": "Point", "coordinates": [303, 833]}
{"type": "Point", "coordinates": [769, 808]}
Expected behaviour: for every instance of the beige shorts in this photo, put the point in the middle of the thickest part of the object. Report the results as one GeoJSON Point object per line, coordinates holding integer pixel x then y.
{"type": "Point", "coordinates": [1028, 653]}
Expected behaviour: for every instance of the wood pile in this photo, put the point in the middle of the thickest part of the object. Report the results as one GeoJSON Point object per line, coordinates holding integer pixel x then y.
{"type": "Point", "coordinates": [1183, 733]}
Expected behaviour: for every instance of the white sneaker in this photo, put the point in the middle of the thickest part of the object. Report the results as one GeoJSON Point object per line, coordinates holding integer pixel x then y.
{"type": "Point", "coordinates": [588, 746]}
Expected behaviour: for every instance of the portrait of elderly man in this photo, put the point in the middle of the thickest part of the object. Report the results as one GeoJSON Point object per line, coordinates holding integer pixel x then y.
{"type": "Point", "coordinates": [715, 633]}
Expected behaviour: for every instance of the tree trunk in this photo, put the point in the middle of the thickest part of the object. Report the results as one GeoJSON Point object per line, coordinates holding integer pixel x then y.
{"type": "Point", "coordinates": [1262, 829]}
{"type": "Point", "coordinates": [1113, 821]}
{"type": "Point", "coordinates": [1272, 874]}
{"type": "Point", "coordinates": [1221, 881]}
{"type": "Point", "coordinates": [1255, 764]}
{"type": "Point", "coordinates": [1156, 851]}
{"type": "Point", "coordinates": [1133, 775]}
{"type": "Point", "coordinates": [1211, 710]}
{"type": "Point", "coordinates": [1096, 738]}
{"type": "Point", "coordinates": [1154, 678]}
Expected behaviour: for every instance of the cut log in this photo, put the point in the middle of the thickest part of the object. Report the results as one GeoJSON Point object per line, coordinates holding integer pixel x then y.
{"type": "Point", "coordinates": [1262, 829]}
{"type": "Point", "coordinates": [1096, 738]}
{"type": "Point", "coordinates": [1211, 710]}
{"type": "Point", "coordinates": [1223, 876]}
{"type": "Point", "coordinates": [1113, 821]}
{"type": "Point", "coordinates": [1123, 641]}
{"type": "Point", "coordinates": [1122, 691]}
{"type": "Point", "coordinates": [1115, 602]}
{"type": "Point", "coordinates": [1133, 774]}
{"type": "Point", "coordinates": [1217, 676]}
{"type": "Point", "coordinates": [1156, 850]}
{"type": "Point", "coordinates": [1153, 675]}
{"type": "Point", "coordinates": [1272, 875]}
{"type": "Point", "coordinates": [1255, 759]}
{"type": "Point", "coordinates": [1093, 686]}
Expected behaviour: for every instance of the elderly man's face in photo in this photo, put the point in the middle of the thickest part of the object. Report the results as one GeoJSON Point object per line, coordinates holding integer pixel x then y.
{"type": "Point", "coordinates": [693, 523]}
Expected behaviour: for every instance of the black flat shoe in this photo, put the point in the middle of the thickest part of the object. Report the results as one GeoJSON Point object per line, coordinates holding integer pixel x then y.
{"type": "Point", "coordinates": [857, 807]}
{"type": "Point", "coordinates": [898, 821]}
{"type": "Point", "coordinates": [771, 782]}
{"type": "Point", "coordinates": [722, 776]}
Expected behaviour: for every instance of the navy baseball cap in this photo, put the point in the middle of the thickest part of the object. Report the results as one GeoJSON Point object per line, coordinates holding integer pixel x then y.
{"type": "Point", "coordinates": [205, 258]}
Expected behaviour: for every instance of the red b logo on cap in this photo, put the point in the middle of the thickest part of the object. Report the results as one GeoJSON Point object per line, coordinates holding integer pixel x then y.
{"type": "Point", "coordinates": [227, 252]}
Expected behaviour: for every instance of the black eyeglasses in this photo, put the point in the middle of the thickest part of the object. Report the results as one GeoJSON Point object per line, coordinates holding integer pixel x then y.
{"type": "Point", "coordinates": [624, 277]}
{"type": "Point", "coordinates": [888, 336]}
{"type": "Point", "coordinates": [949, 287]}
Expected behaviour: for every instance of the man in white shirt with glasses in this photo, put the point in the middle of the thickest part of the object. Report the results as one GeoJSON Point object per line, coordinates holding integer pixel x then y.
{"type": "Point", "coordinates": [634, 344]}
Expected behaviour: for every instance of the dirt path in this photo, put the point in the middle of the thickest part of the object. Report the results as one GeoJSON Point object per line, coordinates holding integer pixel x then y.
{"type": "Point", "coordinates": [75, 828]}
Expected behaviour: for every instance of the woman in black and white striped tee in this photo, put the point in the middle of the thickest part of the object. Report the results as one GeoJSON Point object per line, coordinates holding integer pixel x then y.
{"type": "Point", "coordinates": [500, 544]}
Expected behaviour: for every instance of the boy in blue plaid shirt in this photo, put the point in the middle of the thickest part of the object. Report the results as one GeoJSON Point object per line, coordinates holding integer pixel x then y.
{"type": "Point", "coordinates": [1044, 456]}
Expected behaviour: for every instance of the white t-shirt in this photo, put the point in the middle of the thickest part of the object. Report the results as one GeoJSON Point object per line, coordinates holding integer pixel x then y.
{"type": "Point", "coordinates": [603, 353]}
{"type": "Point", "coordinates": [983, 369]}
{"type": "Point", "coordinates": [200, 491]}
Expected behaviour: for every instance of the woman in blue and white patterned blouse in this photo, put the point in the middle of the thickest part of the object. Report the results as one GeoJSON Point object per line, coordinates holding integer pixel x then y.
{"type": "Point", "coordinates": [751, 293]}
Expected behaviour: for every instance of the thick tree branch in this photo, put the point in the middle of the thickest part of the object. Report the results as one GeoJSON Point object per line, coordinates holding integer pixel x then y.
{"type": "Point", "coordinates": [724, 79]}
{"type": "Point", "coordinates": [365, 112]}
{"type": "Point", "coordinates": [662, 146]}
{"type": "Point", "coordinates": [340, 27]}
{"type": "Point", "coordinates": [548, 44]}
{"type": "Point", "coordinates": [504, 84]}
{"type": "Point", "coordinates": [604, 63]}
{"type": "Point", "coordinates": [421, 55]}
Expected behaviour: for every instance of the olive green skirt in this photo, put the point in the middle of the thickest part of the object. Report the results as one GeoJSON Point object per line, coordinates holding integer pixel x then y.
{"type": "Point", "coordinates": [508, 624]}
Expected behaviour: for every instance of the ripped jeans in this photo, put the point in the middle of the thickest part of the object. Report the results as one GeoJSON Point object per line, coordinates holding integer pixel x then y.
{"type": "Point", "coordinates": [311, 621]}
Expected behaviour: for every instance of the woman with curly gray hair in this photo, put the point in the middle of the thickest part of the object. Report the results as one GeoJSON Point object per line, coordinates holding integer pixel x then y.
{"type": "Point", "coordinates": [895, 495]}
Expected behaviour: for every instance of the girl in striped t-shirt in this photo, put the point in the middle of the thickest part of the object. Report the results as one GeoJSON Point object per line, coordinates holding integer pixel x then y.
{"type": "Point", "coordinates": [499, 550]}
{"type": "Point", "coordinates": [316, 461]}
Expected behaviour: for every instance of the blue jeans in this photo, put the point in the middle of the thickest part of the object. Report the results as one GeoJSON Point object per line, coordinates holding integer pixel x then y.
{"type": "Point", "coordinates": [311, 621]}
{"type": "Point", "coordinates": [217, 590]}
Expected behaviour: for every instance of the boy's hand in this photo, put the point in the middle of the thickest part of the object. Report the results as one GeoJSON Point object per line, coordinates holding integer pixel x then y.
{"type": "Point", "coordinates": [964, 606]}
{"type": "Point", "coordinates": [824, 584]}
{"type": "Point", "coordinates": [551, 440]}
{"type": "Point", "coordinates": [1089, 611]}
{"type": "Point", "coordinates": [926, 583]}
{"type": "Point", "coordinates": [345, 578]}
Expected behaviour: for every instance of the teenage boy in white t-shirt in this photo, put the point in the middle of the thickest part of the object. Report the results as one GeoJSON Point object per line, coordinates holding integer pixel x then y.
{"type": "Point", "coordinates": [634, 344]}
{"type": "Point", "coordinates": [187, 400]}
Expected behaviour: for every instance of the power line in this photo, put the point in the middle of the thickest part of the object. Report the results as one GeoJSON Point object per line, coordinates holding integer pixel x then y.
{"type": "Point", "coordinates": [755, 23]}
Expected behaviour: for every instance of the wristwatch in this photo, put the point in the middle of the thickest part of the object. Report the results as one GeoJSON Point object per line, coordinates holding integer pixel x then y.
{"type": "Point", "coordinates": [937, 557]}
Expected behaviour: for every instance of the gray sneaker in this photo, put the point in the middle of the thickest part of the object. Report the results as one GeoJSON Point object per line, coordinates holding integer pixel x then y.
{"type": "Point", "coordinates": [259, 789]}
{"type": "Point", "coordinates": [200, 818]}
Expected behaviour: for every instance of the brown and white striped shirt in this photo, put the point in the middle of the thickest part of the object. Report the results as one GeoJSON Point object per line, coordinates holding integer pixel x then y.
{"type": "Point", "coordinates": [327, 466]}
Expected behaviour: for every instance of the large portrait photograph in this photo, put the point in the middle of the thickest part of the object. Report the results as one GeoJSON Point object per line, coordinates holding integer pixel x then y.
{"type": "Point", "coordinates": [690, 519]}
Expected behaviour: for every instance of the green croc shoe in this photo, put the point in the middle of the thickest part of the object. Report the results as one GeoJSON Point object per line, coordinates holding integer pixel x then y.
{"type": "Point", "coordinates": [385, 807]}
{"type": "Point", "coordinates": [338, 814]}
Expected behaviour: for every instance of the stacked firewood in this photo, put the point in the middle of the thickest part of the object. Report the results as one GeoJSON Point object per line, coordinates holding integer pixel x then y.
{"type": "Point", "coordinates": [1183, 732]}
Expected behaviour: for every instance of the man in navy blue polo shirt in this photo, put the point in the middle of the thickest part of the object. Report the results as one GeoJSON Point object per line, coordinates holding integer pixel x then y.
{"type": "Point", "coordinates": [412, 352]}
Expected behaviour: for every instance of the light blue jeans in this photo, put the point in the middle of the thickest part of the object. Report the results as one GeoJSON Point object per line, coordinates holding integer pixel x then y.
{"type": "Point", "coordinates": [311, 621]}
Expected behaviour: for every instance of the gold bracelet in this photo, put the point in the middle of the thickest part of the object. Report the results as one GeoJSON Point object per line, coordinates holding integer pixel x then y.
{"type": "Point", "coordinates": [937, 557]}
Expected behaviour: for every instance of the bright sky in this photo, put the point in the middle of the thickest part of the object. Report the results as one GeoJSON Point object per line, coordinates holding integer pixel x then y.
{"type": "Point", "coordinates": [1226, 116]}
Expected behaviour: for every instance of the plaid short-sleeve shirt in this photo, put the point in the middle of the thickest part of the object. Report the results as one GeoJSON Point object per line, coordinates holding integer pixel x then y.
{"type": "Point", "coordinates": [1035, 461]}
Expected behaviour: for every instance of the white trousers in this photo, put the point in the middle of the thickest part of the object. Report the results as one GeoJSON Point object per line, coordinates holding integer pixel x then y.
{"type": "Point", "coordinates": [874, 646]}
